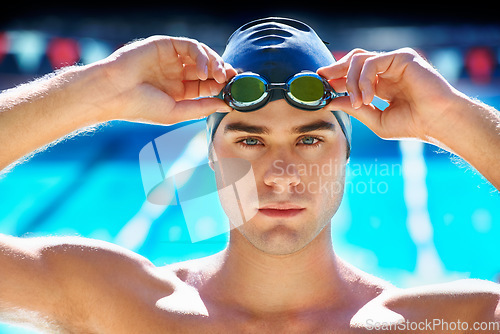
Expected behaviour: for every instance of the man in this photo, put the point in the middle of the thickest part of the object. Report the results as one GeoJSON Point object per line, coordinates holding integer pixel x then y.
{"type": "Point", "coordinates": [279, 273]}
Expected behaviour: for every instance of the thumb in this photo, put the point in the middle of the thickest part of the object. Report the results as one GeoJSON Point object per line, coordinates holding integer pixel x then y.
{"type": "Point", "coordinates": [196, 109]}
{"type": "Point", "coordinates": [369, 115]}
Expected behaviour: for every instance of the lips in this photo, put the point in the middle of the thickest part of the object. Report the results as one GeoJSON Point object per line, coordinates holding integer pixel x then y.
{"type": "Point", "coordinates": [281, 210]}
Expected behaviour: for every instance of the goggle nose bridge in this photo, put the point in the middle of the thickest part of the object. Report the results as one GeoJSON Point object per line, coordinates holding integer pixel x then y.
{"type": "Point", "coordinates": [282, 86]}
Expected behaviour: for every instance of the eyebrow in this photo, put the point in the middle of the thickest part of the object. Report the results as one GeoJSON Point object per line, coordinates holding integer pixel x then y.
{"type": "Point", "coordinates": [315, 126]}
{"type": "Point", "coordinates": [258, 129]}
{"type": "Point", "coordinates": [243, 127]}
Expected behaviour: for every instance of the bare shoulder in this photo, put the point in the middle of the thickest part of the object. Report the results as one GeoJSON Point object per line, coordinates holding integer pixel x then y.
{"type": "Point", "coordinates": [93, 254]}
{"type": "Point", "coordinates": [468, 297]}
{"type": "Point", "coordinates": [73, 283]}
{"type": "Point", "coordinates": [468, 300]}
{"type": "Point", "coordinates": [93, 273]}
{"type": "Point", "coordinates": [97, 261]}
{"type": "Point", "coordinates": [76, 261]}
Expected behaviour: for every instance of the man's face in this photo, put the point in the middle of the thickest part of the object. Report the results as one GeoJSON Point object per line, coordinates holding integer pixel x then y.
{"type": "Point", "coordinates": [298, 160]}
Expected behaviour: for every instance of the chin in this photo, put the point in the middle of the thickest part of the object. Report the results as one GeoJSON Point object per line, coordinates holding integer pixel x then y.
{"type": "Point", "coordinates": [279, 239]}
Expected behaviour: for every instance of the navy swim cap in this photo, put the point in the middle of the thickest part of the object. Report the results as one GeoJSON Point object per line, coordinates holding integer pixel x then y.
{"type": "Point", "coordinates": [277, 48]}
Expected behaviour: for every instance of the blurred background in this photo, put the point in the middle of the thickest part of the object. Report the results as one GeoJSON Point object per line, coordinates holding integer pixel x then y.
{"type": "Point", "coordinates": [411, 214]}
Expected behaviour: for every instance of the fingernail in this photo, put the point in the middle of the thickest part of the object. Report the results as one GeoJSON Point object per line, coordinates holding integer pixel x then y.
{"type": "Point", "coordinates": [351, 97]}
{"type": "Point", "coordinates": [206, 70]}
{"type": "Point", "coordinates": [221, 78]}
{"type": "Point", "coordinates": [224, 110]}
{"type": "Point", "coordinates": [224, 73]}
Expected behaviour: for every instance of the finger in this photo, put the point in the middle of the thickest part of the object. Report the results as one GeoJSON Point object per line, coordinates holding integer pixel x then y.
{"type": "Point", "coordinates": [196, 88]}
{"type": "Point", "coordinates": [193, 49]}
{"type": "Point", "coordinates": [393, 64]}
{"type": "Point", "coordinates": [230, 71]}
{"type": "Point", "coordinates": [195, 109]}
{"type": "Point", "coordinates": [369, 74]}
{"type": "Point", "coordinates": [186, 60]}
{"type": "Point", "coordinates": [202, 63]}
{"type": "Point", "coordinates": [190, 72]}
{"type": "Point", "coordinates": [340, 68]}
{"type": "Point", "coordinates": [210, 88]}
{"type": "Point", "coordinates": [367, 80]}
{"type": "Point", "coordinates": [216, 65]}
{"type": "Point", "coordinates": [338, 85]}
{"type": "Point", "coordinates": [366, 114]}
{"type": "Point", "coordinates": [352, 78]}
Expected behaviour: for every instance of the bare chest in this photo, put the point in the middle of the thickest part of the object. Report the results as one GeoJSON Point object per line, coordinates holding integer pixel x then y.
{"type": "Point", "coordinates": [182, 313]}
{"type": "Point", "coordinates": [185, 311]}
{"type": "Point", "coordinates": [188, 313]}
{"type": "Point", "coordinates": [231, 322]}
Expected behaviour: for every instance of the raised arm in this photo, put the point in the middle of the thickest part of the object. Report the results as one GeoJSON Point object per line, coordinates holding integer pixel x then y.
{"type": "Point", "coordinates": [153, 80]}
{"type": "Point", "coordinates": [54, 281]}
{"type": "Point", "coordinates": [422, 105]}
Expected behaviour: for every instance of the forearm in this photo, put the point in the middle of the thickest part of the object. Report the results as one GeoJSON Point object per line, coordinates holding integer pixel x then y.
{"type": "Point", "coordinates": [473, 133]}
{"type": "Point", "coordinates": [38, 113]}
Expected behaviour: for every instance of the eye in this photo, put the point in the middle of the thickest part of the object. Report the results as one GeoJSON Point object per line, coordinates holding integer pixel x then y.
{"type": "Point", "coordinates": [249, 142]}
{"type": "Point", "coordinates": [310, 141]}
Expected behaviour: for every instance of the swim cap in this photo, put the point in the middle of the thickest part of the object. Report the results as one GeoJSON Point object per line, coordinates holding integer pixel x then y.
{"type": "Point", "coordinates": [277, 48]}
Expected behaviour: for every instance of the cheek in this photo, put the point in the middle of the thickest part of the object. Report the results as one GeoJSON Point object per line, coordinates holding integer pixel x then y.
{"type": "Point", "coordinates": [325, 168]}
{"type": "Point", "coordinates": [324, 181]}
{"type": "Point", "coordinates": [236, 187]}
{"type": "Point", "coordinates": [219, 148]}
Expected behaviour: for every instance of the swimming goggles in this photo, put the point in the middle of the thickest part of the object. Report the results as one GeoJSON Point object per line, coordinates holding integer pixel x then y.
{"type": "Point", "coordinates": [250, 91]}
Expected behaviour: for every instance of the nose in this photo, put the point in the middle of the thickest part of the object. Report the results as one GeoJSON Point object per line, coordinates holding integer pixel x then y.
{"type": "Point", "coordinates": [282, 174]}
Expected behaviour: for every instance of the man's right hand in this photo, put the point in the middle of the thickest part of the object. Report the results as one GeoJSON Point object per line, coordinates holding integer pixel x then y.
{"type": "Point", "coordinates": [161, 79]}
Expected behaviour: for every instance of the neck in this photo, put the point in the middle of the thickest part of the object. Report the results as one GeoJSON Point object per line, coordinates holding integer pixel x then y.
{"type": "Point", "coordinates": [307, 279]}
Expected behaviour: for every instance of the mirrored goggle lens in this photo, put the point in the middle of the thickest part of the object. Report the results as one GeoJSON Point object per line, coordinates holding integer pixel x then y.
{"type": "Point", "coordinates": [307, 89]}
{"type": "Point", "coordinates": [248, 90]}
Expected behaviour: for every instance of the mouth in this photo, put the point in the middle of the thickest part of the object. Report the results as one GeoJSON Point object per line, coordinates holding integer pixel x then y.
{"type": "Point", "coordinates": [281, 210]}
